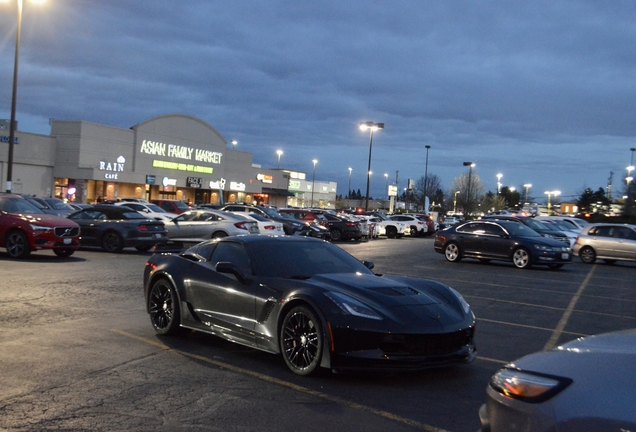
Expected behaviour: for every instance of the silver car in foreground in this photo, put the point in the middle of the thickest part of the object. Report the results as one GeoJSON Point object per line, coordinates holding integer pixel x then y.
{"type": "Point", "coordinates": [609, 242]}
{"type": "Point", "coordinates": [584, 385]}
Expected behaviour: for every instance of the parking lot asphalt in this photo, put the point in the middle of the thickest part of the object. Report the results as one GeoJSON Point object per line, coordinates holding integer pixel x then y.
{"type": "Point", "coordinates": [78, 352]}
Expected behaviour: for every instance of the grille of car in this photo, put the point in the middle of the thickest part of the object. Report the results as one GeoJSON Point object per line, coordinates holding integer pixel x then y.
{"type": "Point", "coordinates": [66, 231]}
{"type": "Point", "coordinates": [426, 345]}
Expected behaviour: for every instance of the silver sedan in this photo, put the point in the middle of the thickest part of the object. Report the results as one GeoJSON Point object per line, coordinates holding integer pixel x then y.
{"type": "Point", "coordinates": [199, 225]}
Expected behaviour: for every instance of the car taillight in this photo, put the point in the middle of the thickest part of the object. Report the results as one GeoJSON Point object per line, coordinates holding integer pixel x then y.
{"type": "Point", "coordinates": [142, 228]}
{"type": "Point", "coordinates": [242, 225]}
{"type": "Point", "coordinates": [270, 227]}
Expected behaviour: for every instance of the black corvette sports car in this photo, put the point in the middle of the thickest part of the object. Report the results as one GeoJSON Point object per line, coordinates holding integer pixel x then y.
{"type": "Point", "coordinates": [310, 301]}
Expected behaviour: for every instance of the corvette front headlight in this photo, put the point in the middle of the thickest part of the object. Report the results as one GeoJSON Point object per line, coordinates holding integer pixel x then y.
{"type": "Point", "coordinates": [352, 306]}
{"type": "Point", "coordinates": [463, 302]}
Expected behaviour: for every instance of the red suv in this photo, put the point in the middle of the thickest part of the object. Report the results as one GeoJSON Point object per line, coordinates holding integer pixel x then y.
{"type": "Point", "coordinates": [24, 228]}
{"type": "Point", "coordinates": [172, 206]}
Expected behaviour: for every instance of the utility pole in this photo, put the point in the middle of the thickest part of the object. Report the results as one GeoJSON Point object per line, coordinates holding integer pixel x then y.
{"type": "Point", "coordinates": [609, 185]}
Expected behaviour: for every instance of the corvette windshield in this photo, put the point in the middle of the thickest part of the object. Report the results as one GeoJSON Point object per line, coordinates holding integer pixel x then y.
{"type": "Point", "coordinates": [301, 259]}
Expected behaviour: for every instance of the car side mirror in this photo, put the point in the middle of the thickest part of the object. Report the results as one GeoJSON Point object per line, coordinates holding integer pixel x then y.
{"type": "Point", "coordinates": [368, 264]}
{"type": "Point", "coordinates": [228, 267]}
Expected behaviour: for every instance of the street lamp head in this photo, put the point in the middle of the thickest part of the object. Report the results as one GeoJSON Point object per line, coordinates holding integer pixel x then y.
{"type": "Point", "coordinates": [234, 142]}
{"type": "Point", "coordinates": [350, 169]}
{"type": "Point", "coordinates": [527, 185]}
{"type": "Point", "coordinates": [427, 147]}
{"type": "Point", "coordinates": [370, 125]}
{"type": "Point", "coordinates": [386, 175]}
{"type": "Point", "coordinates": [315, 161]}
{"type": "Point", "coordinates": [469, 164]}
{"type": "Point", "coordinates": [279, 152]}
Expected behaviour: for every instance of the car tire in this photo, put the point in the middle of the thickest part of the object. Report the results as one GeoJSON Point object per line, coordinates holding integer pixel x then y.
{"type": "Point", "coordinates": [64, 253]}
{"type": "Point", "coordinates": [414, 231]}
{"type": "Point", "coordinates": [143, 248]}
{"type": "Point", "coordinates": [163, 307]}
{"type": "Point", "coordinates": [587, 255]}
{"type": "Point", "coordinates": [301, 340]}
{"type": "Point", "coordinates": [17, 244]}
{"type": "Point", "coordinates": [521, 258]}
{"type": "Point", "coordinates": [112, 242]}
{"type": "Point", "coordinates": [391, 232]}
{"type": "Point", "coordinates": [336, 235]}
{"type": "Point", "coordinates": [218, 235]}
{"type": "Point", "coordinates": [452, 252]}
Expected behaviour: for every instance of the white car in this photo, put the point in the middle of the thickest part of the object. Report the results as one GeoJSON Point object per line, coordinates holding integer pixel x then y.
{"type": "Point", "coordinates": [151, 211]}
{"type": "Point", "coordinates": [575, 223]}
{"type": "Point", "coordinates": [388, 227]}
{"type": "Point", "coordinates": [416, 225]}
{"type": "Point", "coordinates": [199, 225]}
{"type": "Point", "coordinates": [265, 225]}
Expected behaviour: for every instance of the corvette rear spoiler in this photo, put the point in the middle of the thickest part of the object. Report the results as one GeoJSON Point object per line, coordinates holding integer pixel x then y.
{"type": "Point", "coordinates": [169, 247]}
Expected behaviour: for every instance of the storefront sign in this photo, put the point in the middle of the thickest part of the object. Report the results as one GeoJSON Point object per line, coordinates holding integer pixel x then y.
{"type": "Point", "coordinates": [168, 181]}
{"type": "Point", "coordinates": [150, 179]}
{"type": "Point", "coordinates": [112, 168]}
{"type": "Point", "coordinates": [180, 152]}
{"type": "Point", "coordinates": [194, 182]}
{"type": "Point", "coordinates": [182, 167]}
{"type": "Point", "coordinates": [5, 139]}
{"type": "Point", "coordinates": [265, 178]}
{"type": "Point", "coordinates": [294, 185]}
{"type": "Point", "coordinates": [219, 184]}
{"type": "Point", "coordinates": [237, 186]}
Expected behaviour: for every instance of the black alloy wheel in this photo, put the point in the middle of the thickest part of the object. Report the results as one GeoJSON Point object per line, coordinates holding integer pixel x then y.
{"type": "Point", "coordinates": [64, 253]}
{"type": "Point", "coordinates": [414, 232]}
{"type": "Point", "coordinates": [391, 232]}
{"type": "Point", "coordinates": [301, 340]}
{"type": "Point", "coordinates": [163, 306]}
{"type": "Point", "coordinates": [17, 244]}
{"type": "Point", "coordinates": [336, 235]}
{"type": "Point", "coordinates": [587, 255]}
{"type": "Point", "coordinates": [112, 242]}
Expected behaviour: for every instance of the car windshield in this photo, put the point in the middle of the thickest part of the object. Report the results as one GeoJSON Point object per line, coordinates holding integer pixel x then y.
{"type": "Point", "coordinates": [271, 212]}
{"type": "Point", "coordinates": [59, 205]}
{"type": "Point", "coordinates": [155, 208]}
{"type": "Point", "coordinates": [301, 260]}
{"type": "Point", "coordinates": [19, 206]}
{"type": "Point", "coordinates": [518, 229]}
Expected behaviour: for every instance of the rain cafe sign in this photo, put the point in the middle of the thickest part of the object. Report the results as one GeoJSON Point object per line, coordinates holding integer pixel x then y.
{"type": "Point", "coordinates": [180, 152]}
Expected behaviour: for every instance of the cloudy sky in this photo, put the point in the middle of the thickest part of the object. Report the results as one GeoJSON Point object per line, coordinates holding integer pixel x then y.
{"type": "Point", "coordinates": [542, 92]}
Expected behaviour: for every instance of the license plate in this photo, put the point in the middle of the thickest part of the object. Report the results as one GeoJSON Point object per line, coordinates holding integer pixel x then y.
{"type": "Point", "coordinates": [157, 235]}
{"type": "Point", "coordinates": [565, 256]}
{"type": "Point", "coordinates": [254, 230]}
{"type": "Point", "coordinates": [67, 241]}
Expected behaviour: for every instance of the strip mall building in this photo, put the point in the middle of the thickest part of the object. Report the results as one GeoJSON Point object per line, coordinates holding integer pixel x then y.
{"type": "Point", "coordinates": [171, 157]}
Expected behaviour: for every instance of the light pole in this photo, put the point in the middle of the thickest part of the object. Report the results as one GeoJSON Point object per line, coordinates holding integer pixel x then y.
{"type": "Point", "coordinates": [386, 188]}
{"type": "Point", "coordinates": [632, 150]}
{"type": "Point", "coordinates": [313, 182]}
{"type": "Point", "coordinates": [527, 186]}
{"type": "Point", "coordinates": [349, 191]}
{"type": "Point", "coordinates": [499, 176]}
{"type": "Point", "coordinates": [234, 143]}
{"type": "Point", "coordinates": [455, 203]}
{"type": "Point", "coordinates": [279, 153]}
{"type": "Point", "coordinates": [554, 193]}
{"type": "Point", "coordinates": [372, 127]}
{"type": "Point", "coordinates": [470, 166]}
{"type": "Point", "coordinates": [426, 172]}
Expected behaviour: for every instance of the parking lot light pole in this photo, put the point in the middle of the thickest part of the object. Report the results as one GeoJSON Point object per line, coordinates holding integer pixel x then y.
{"type": "Point", "coordinates": [455, 203]}
{"type": "Point", "coordinates": [470, 166]}
{"type": "Point", "coordinates": [349, 191]}
{"type": "Point", "coordinates": [426, 172]}
{"type": "Point", "coordinates": [279, 152]}
{"type": "Point", "coordinates": [313, 182]}
{"type": "Point", "coordinates": [371, 127]}
{"type": "Point", "coordinates": [527, 186]}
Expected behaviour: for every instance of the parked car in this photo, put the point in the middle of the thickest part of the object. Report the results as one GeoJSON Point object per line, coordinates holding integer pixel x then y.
{"type": "Point", "coordinates": [609, 242]}
{"type": "Point", "coordinates": [148, 210]}
{"type": "Point", "coordinates": [340, 227]}
{"type": "Point", "coordinates": [544, 230]}
{"type": "Point", "coordinates": [388, 227]}
{"type": "Point", "coordinates": [265, 226]}
{"type": "Point", "coordinates": [309, 301]}
{"type": "Point", "coordinates": [209, 206]}
{"type": "Point", "coordinates": [114, 227]}
{"type": "Point", "coordinates": [305, 215]}
{"type": "Point", "coordinates": [416, 225]}
{"type": "Point", "coordinates": [24, 228]}
{"type": "Point", "coordinates": [290, 225]}
{"type": "Point", "coordinates": [575, 223]}
{"type": "Point", "coordinates": [502, 240]}
{"type": "Point", "coordinates": [171, 206]}
{"type": "Point", "coordinates": [316, 231]}
{"type": "Point", "coordinates": [62, 208]}
{"type": "Point", "coordinates": [556, 226]}
{"type": "Point", "coordinates": [583, 385]}
{"type": "Point", "coordinates": [361, 222]}
{"type": "Point", "coordinates": [431, 224]}
{"type": "Point", "coordinates": [199, 225]}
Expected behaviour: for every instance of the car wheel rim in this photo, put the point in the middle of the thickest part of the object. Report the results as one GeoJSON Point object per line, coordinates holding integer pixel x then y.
{"type": "Point", "coordinates": [161, 306]}
{"type": "Point", "coordinates": [15, 245]}
{"type": "Point", "coordinates": [521, 258]}
{"type": "Point", "coordinates": [301, 341]}
{"type": "Point", "coordinates": [587, 255]}
{"type": "Point", "coordinates": [111, 242]}
{"type": "Point", "coordinates": [451, 252]}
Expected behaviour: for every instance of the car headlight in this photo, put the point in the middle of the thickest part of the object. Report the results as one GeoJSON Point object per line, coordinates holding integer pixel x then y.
{"type": "Point", "coordinates": [352, 306]}
{"type": "Point", "coordinates": [463, 302]}
{"type": "Point", "coordinates": [532, 387]}
{"type": "Point", "coordinates": [39, 229]}
{"type": "Point", "coordinates": [543, 247]}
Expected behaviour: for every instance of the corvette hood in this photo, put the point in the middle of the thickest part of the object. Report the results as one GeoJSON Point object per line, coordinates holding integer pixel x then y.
{"type": "Point", "coordinates": [386, 292]}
